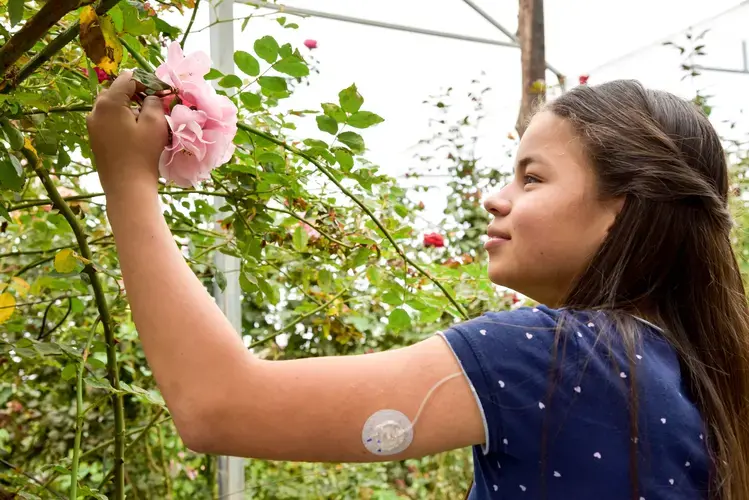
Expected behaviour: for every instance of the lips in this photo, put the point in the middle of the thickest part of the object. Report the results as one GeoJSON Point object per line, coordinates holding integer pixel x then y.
{"type": "Point", "coordinates": [496, 238]}
{"type": "Point", "coordinates": [498, 233]}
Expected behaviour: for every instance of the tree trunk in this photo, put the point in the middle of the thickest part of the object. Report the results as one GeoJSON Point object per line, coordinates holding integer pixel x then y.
{"type": "Point", "coordinates": [533, 60]}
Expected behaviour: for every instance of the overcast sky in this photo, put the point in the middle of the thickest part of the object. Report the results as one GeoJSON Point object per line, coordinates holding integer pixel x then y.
{"type": "Point", "coordinates": [396, 71]}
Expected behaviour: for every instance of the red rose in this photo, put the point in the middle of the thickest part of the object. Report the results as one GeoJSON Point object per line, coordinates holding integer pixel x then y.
{"type": "Point", "coordinates": [100, 74]}
{"type": "Point", "coordinates": [310, 44]}
{"type": "Point", "coordinates": [434, 240]}
{"type": "Point", "coordinates": [583, 79]}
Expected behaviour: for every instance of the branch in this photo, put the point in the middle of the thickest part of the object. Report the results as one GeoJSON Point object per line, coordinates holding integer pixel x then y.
{"type": "Point", "coordinates": [54, 249]}
{"type": "Point", "coordinates": [135, 440]}
{"type": "Point", "coordinates": [189, 25]}
{"type": "Point", "coordinates": [33, 31]}
{"type": "Point", "coordinates": [79, 414]}
{"type": "Point", "coordinates": [20, 471]}
{"type": "Point", "coordinates": [106, 318]}
{"type": "Point", "coordinates": [52, 48]}
{"type": "Point", "coordinates": [299, 319]}
{"type": "Point", "coordinates": [361, 205]}
{"type": "Point", "coordinates": [310, 224]}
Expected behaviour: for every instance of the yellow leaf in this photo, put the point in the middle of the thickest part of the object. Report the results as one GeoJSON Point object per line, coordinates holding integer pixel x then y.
{"type": "Point", "coordinates": [7, 306]}
{"type": "Point", "coordinates": [99, 40]}
{"type": "Point", "coordinates": [65, 261]}
{"type": "Point", "coordinates": [20, 286]}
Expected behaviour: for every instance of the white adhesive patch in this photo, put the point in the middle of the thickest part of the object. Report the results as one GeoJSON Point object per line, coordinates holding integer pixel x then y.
{"type": "Point", "coordinates": [387, 432]}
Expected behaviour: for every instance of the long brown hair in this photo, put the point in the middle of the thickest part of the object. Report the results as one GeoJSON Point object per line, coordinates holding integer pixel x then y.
{"type": "Point", "coordinates": [668, 255]}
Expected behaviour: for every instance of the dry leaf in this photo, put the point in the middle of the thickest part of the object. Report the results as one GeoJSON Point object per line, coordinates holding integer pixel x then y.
{"type": "Point", "coordinates": [99, 40]}
{"type": "Point", "coordinates": [7, 306]}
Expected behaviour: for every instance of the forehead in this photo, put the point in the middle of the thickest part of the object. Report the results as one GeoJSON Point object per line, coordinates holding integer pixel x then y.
{"type": "Point", "coordinates": [553, 139]}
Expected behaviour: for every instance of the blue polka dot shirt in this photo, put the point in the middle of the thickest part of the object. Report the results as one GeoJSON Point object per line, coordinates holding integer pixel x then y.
{"type": "Point", "coordinates": [558, 420]}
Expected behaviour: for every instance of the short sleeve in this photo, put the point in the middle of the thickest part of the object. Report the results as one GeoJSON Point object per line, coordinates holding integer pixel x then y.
{"type": "Point", "coordinates": [510, 359]}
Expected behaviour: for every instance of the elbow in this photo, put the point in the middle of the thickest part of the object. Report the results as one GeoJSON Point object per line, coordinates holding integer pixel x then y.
{"type": "Point", "coordinates": [196, 431]}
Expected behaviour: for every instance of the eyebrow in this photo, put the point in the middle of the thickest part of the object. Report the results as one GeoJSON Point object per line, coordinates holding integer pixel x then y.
{"type": "Point", "coordinates": [527, 160]}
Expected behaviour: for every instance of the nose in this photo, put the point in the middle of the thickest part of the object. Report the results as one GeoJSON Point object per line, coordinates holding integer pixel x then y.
{"type": "Point", "coordinates": [498, 204]}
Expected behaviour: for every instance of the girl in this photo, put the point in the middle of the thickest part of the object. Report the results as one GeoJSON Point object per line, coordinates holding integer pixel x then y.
{"type": "Point", "coordinates": [629, 383]}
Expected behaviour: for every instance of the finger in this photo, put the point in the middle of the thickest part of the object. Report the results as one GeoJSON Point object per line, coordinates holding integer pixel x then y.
{"type": "Point", "coordinates": [121, 90]}
{"type": "Point", "coordinates": [152, 110]}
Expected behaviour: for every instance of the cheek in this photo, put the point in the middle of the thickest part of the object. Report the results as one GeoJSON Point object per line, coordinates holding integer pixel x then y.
{"type": "Point", "coordinates": [554, 232]}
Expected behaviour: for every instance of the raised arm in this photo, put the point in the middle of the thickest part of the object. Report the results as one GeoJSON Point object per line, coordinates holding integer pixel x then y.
{"type": "Point", "coordinates": [222, 398]}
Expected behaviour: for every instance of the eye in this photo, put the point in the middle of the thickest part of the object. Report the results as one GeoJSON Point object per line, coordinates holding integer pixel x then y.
{"type": "Point", "coordinates": [529, 179]}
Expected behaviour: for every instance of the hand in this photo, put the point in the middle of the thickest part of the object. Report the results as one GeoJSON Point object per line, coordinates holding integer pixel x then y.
{"type": "Point", "coordinates": [126, 143]}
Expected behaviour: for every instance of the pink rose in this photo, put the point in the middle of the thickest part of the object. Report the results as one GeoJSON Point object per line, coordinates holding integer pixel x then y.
{"type": "Point", "coordinates": [194, 152]}
{"type": "Point", "coordinates": [203, 122]}
{"type": "Point", "coordinates": [178, 68]}
{"type": "Point", "coordinates": [310, 44]}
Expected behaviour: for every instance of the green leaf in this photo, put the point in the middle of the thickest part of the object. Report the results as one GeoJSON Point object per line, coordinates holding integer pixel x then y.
{"type": "Point", "coordinates": [15, 11]}
{"type": "Point", "coordinates": [399, 319]}
{"type": "Point", "coordinates": [230, 81]}
{"type": "Point", "coordinates": [350, 99]}
{"type": "Point", "coordinates": [325, 278]}
{"type": "Point", "coordinates": [267, 48]}
{"type": "Point", "coordinates": [4, 212]}
{"type": "Point", "coordinates": [213, 74]}
{"type": "Point", "coordinates": [270, 292]}
{"type": "Point", "coordinates": [274, 83]}
{"type": "Point", "coordinates": [345, 160]}
{"type": "Point", "coordinates": [250, 100]}
{"type": "Point", "coordinates": [364, 119]}
{"type": "Point", "coordinates": [164, 27]}
{"type": "Point", "coordinates": [46, 142]}
{"type": "Point", "coordinates": [314, 143]}
{"type": "Point", "coordinates": [98, 384]}
{"type": "Point", "coordinates": [353, 140]}
{"type": "Point", "coordinates": [11, 174]}
{"type": "Point", "coordinates": [247, 63]}
{"type": "Point", "coordinates": [15, 136]}
{"type": "Point", "coordinates": [149, 80]}
{"type": "Point", "coordinates": [430, 315]}
{"type": "Point", "coordinates": [275, 160]}
{"type": "Point", "coordinates": [334, 111]}
{"type": "Point", "coordinates": [393, 298]}
{"type": "Point", "coordinates": [220, 280]}
{"type": "Point", "coordinates": [69, 371]}
{"type": "Point", "coordinates": [327, 124]}
{"type": "Point", "coordinates": [300, 239]}
{"type": "Point", "coordinates": [292, 66]}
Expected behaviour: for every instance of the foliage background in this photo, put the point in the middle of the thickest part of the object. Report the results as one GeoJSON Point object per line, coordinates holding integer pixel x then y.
{"type": "Point", "coordinates": [363, 280]}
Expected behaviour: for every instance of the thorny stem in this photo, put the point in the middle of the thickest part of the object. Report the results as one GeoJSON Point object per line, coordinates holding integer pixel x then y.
{"type": "Point", "coordinates": [106, 318]}
{"type": "Point", "coordinates": [189, 25]}
{"type": "Point", "coordinates": [79, 414]}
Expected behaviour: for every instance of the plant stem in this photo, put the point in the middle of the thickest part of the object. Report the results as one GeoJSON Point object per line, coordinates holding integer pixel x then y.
{"type": "Point", "coordinates": [299, 319]}
{"type": "Point", "coordinates": [162, 455]}
{"type": "Point", "coordinates": [52, 48]}
{"type": "Point", "coordinates": [106, 318]}
{"type": "Point", "coordinates": [18, 470]}
{"type": "Point", "coordinates": [310, 224]}
{"type": "Point", "coordinates": [135, 440]}
{"type": "Point", "coordinates": [189, 25]}
{"type": "Point", "coordinates": [361, 205]}
{"type": "Point", "coordinates": [33, 31]}
{"type": "Point", "coordinates": [79, 414]}
{"type": "Point", "coordinates": [136, 55]}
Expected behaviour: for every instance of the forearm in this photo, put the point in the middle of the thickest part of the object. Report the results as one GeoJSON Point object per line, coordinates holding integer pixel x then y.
{"type": "Point", "coordinates": [191, 347]}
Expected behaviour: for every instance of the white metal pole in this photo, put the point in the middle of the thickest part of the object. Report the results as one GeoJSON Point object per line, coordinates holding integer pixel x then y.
{"type": "Point", "coordinates": [230, 469]}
